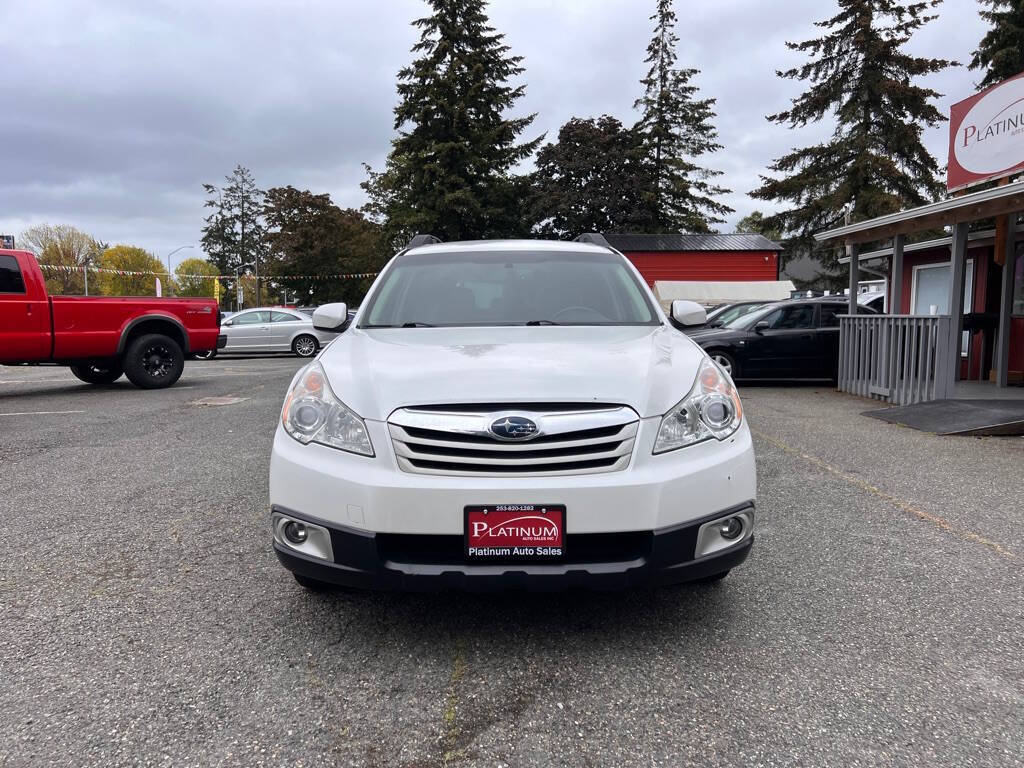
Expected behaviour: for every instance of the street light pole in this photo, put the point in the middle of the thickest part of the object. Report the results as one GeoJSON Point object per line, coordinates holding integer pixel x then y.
{"type": "Point", "coordinates": [238, 304]}
{"type": "Point", "coordinates": [179, 248]}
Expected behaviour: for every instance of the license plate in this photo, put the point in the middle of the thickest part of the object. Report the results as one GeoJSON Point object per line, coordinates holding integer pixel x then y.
{"type": "Point", "coordinates": [515, 531]}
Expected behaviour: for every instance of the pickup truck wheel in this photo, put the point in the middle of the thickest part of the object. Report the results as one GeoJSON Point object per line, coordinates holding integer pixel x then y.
{"type": "Point", "coordinates": [98, 372]}
{"type": "Point", "coordinates": [206, 354]}
{"type": "Point", "coordinates": [305, 345]}
{"type": "Point", "coordinates": [153, 361]}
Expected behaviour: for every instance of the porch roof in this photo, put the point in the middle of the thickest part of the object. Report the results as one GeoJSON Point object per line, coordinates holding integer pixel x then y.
{"type": "Point", "coordinates": [986, 204]}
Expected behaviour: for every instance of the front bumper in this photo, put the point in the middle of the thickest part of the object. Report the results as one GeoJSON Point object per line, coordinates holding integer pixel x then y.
{"type": "Point", "coordinates": [594, 561]}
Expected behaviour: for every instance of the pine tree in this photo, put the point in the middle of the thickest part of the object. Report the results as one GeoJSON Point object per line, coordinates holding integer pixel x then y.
{"type": "Point", "coordinates": [874, 163]}
{"type": "Point", "coordinates": [1001, 51]}
{"type": "Point", "coordinates": [234, 234]}
{"type": "Point", "coordinates": [450, 168]}
{"type": "Point", "coordinates": [678, 128]}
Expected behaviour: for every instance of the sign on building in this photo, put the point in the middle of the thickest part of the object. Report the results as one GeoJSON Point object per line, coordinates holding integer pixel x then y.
{"type": "Point", "coordinates": [7, 241]}
{"type": "Point", "coordinates": [986, 135]}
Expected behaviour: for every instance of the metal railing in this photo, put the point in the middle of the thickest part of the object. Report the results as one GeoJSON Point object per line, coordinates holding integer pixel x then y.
{"type": "Point", "coordinates": [903, 359]}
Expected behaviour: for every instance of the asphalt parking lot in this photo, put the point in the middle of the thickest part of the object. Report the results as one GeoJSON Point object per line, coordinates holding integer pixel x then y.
{"type": "Point", "coordinates": [145, 621]}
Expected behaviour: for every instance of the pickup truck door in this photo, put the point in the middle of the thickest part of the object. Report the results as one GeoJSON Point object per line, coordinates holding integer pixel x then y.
{"type": "Point", "coordinates": [24, 314]}
{"type": "Point", "coordinates": [249, 332]}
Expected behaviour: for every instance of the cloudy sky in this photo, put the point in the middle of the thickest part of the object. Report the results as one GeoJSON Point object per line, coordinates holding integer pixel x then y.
{"type": "Point", "coordinates": [113, 113]}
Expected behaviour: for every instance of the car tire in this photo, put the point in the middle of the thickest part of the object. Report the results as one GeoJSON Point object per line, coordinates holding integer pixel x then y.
{"type": "Point", "coordinates": [101, 372]}
{"type": "Point", "coordinates": [313, 585]}
{"type": "Point", "coordinates": [725, 361]}
{"type": "Point", "coordinates": [206, 354]}
{"type": "Point", "coordinates": [153, 361]}
{"type": "Point", "coordinates": [305, 345]}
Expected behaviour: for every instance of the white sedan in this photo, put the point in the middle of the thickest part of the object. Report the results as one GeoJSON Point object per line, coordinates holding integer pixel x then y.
{"type": "Point", "coordinates": [269, 329]}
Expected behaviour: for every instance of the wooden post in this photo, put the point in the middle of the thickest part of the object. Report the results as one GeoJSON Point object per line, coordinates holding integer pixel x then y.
{"type": "Point", "coordinates": [896, 276]}
{"type": "Point", "coordinates": [1009, 258]}
{"type": "Point", "coordinates": [958, 262]}
{"type": "Point", "coordinates": [854, 250]}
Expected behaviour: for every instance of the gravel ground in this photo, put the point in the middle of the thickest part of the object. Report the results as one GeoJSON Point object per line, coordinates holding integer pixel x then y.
{"type": "Point", "coordinates": [145, 621]}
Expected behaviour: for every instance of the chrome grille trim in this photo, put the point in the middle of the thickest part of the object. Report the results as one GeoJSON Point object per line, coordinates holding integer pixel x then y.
{"type": "Point", "coordinates": [567, 442]}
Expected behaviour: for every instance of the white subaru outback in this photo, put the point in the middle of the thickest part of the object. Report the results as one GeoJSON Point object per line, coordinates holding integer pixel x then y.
{"type": "Point", "coordinates": [511, 414]}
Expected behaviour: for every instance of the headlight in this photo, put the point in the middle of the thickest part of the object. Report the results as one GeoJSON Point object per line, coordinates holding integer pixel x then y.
{"type": "Point", "coordinates": [312, 414]}
{"type": "Point", "coordinates": [711, 409]}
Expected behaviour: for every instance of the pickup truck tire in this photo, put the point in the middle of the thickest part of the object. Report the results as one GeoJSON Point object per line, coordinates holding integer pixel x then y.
{"type": "Point", "coordinates": [206, 354]}
{"type": "Point", "coordinates": [153, 361]}
{"type": "Point", "coordinates": [305, 345]}
{"type": "Point", "coordinates": [98, 371]}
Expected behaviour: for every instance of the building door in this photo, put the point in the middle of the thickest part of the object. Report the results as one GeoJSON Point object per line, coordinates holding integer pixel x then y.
{"type": "Point", "coordinates": [929, 293]}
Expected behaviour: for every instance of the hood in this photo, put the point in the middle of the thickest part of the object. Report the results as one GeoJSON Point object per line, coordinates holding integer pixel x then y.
{"type": "Point", "coordinates": [717, 334]}
{"type": "Point", "coordinates": [375, 371]}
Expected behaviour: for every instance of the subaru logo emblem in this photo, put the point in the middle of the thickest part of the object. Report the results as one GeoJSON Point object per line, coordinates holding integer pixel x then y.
{"type": "Point", "coordinates": [513, 428]}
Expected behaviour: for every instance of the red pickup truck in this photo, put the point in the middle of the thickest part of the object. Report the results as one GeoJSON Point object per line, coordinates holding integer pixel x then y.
{"type": "Point", "coordinates": [100, 337]}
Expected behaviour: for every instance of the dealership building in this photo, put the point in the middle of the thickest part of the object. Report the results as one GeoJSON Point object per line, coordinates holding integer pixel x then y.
{"type": "Point", "coordinates": [955, 322]}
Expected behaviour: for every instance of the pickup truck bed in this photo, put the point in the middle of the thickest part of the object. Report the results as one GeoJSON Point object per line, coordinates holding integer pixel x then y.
{"type": "Point", "coordinates": [99, 337]}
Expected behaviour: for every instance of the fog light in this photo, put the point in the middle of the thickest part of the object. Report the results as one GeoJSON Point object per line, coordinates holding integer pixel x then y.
{"type": "Point", "coordinates": [730, 529]}
{"type": "Point", "coordinates": [296, 533]}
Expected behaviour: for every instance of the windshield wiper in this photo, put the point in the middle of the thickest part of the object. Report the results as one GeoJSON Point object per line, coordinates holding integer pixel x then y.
{"type": "Point", "coordinates": [417, 325]}
{"type": "Point", "coordinates": [542, 322]}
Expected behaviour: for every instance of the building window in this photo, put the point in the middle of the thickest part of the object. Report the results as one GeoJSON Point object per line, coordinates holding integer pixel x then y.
{"type": "Point", "coordinates": [1018, 282]}
{"type": "Point", "coordinates": [929, 293]}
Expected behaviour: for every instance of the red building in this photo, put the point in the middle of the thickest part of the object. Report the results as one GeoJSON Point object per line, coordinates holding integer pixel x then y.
{"type": "Point", "coordinates": [742, 257]}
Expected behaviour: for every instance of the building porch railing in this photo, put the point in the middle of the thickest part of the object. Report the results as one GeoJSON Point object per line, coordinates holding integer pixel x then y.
{"type": "Point", "coordinates": [901, 359]}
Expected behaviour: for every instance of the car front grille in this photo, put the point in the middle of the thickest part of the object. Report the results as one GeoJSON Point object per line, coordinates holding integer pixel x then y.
{"type": "Point", "coordinates": [581, 439]}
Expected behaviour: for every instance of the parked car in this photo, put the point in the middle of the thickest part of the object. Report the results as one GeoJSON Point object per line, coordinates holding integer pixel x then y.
{"type": "Point", "coordinates": [99, 337]}
{"type": "Point", "coordinates": [511, 414]}
{"type": "Point", "coordinates": [797, 339]}
{"type": "Point", "coordinates": [725, 314]}
{"type": "Point", "coordinates": [269, 329]}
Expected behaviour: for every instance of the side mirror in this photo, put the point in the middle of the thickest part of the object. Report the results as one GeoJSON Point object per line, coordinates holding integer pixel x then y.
{"type": "Point", "coordinates": [761, 325]}
{"type": "Point", "coordinates": [226, 322]}
{"type": "Point", "coordinates": [331, 317]}
{"type": "Point", "coordinates": [688, 312]}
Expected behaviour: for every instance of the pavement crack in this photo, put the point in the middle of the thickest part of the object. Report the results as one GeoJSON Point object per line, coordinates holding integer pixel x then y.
{"type": "Point", "coordinates": [905, 506]}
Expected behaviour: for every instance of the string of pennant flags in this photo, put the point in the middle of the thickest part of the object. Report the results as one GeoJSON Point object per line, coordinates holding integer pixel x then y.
{"type": "Point", "coordinates": [269, 278]}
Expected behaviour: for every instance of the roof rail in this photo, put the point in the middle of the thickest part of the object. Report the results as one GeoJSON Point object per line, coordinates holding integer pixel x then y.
{"type": "Point", "coordinates": [594, 238]}
{"type": "Point", "coordinates": [418, 240]}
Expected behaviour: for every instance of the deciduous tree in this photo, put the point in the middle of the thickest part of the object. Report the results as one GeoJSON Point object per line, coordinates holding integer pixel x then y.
{"type": "Point", "coordinates": [451, 167]}
{"type": "Point", "coordinates": [190, 285]}
{"type": "Point", "coordinates": [874, 163]}
{"type": "Point", "coordinates": [66, 247]}
{"type": "Point", "coordinates": [595, 178]}
{"type": "Point", "coordinates": [130, 258]}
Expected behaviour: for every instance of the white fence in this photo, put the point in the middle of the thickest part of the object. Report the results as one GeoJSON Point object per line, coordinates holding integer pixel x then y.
{"type": "Point", "coordinates": [899, 358]}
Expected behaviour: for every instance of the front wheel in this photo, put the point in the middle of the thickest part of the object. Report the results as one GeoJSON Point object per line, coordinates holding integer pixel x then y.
{"type": "Point", "coordinates": [304, 346]}
{"type": "Point", "coordinates": [153, 361]}
{"type": "Point", "coordinates": [98, 372]}
{"type": "Point", "coordinates": [725, 361]}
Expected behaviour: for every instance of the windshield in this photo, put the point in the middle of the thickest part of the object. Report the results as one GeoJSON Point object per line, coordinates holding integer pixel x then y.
{"type": "Point", "coordinates": [747, 321]}
{"type": "Point", "coordinates": [480, 288]}
{"type": "Point", "coordinates": [731, 314]}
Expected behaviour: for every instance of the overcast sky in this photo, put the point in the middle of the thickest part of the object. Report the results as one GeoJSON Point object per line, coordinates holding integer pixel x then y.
{"type": "Point", "coordinates": [113, 113]}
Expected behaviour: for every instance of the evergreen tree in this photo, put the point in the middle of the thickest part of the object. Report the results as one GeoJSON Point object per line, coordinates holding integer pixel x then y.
{"type": "Point", "coordinates": [234, 234]}
{"type": "Point", "coordinates": [593, 179]}
{"type": "Point", "coordinates": [450, 168]}
{"type": "Point", "coordinates": [310, 235]}
{"type": "Point", "coordinates": [874, 163]}
{"type": "Point", "coordinates": [1001, 51]}
{"type": "Point", "coordinates": [678, 128]}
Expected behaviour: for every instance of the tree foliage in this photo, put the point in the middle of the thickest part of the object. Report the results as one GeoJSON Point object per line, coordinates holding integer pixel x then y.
{"type": "Point", "coordinates": [234, 234]}
{"type": "Point", "coordinates": [1000, 53]}
{"type": "Point", "coordinates": [874, 163]}
{"type": "Point", "coordinates": [310, 235]}
{"type": "Point", "coordinates": [64, 246]}
{"type": "Point", "coordinates": [758, 223]}
{"type": "Point", "coordinates": [187, 285]}
{"type": "Point", "coordinates": [450, 170]}
{"type": "Point", "coordinates": [678, 128]}
{"type": "Point", "coordinates": [595, 178]}
{"type": "Point", "coordinates": [132, 259]}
